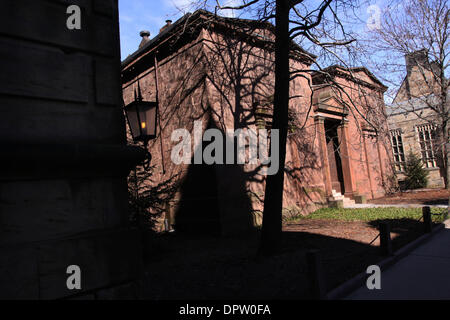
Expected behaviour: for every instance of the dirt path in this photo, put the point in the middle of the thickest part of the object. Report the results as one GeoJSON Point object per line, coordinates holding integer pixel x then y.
{"type": "Point", "coordinates": [430, 197]}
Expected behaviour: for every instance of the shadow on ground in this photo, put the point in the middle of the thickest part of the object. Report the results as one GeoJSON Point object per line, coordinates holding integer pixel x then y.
{"type": "Point", "coordinates": [443, 202]}
{"type": "Point", "coordinates": [205, 267]}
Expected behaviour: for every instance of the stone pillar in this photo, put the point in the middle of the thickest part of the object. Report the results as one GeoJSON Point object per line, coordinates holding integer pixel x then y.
{"type": "Point", "coordinates": [320, 132]}
{"type": "Point", "coordinates": [63, 188]}
{"type": "Point", "coordinates": [380, 160]}
{"type": "Point", "coordinates": [369, 176]}
{"type": "Point", "coordinates": [347, 172]}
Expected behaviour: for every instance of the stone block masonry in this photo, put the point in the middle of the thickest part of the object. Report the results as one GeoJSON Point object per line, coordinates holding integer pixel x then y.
{"type": "Point", "coordinates": [63, 191]}
{"type": "Point", "coordinates": [219, 71]}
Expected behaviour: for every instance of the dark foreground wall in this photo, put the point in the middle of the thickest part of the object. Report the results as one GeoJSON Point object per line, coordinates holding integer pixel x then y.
{"type": "Point", "coordinates": [63, 193]}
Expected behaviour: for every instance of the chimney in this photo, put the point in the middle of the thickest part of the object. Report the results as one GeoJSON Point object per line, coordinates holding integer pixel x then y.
{"type": "Point", "coordinates": [168, 23]}
{"type": "Point", "coordinates": [145, 37]}
{"type": "Point", "coordinates": [417, 58]}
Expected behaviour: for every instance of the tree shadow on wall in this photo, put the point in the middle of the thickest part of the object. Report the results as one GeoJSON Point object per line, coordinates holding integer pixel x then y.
{"type": "Point", "coordinates": [214, 198]}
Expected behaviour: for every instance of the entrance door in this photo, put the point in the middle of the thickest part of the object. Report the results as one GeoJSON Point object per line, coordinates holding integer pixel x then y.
{"type": "Point", "coordinates": [334, 155]}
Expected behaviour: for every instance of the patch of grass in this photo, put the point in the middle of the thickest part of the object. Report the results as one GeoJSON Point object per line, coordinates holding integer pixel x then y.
{"type": "Point", "coordinates": [372, 214]}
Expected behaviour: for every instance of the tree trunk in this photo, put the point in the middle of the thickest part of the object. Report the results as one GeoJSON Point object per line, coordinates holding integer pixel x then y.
{"type": "Point", "coordinates": [273, 201]}
{"type": "Point", "coordinates": [445, 108]}
{"type": "Point", "coordinates": [448, 166]}
{"type": "Point", "coordinates": [446, 156]}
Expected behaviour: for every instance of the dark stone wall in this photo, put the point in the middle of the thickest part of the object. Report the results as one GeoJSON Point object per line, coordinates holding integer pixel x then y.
{"type": "Point", "coordinates": [63, 192]}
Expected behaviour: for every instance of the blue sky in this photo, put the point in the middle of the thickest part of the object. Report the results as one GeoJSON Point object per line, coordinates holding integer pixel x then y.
{"type": "Point", "coordinates": [137, 15]}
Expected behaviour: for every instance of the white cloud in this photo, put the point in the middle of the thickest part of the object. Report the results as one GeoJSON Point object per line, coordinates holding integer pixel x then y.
{"type": "Point", "coordinates": [183, 5]}
{"type": "Point", "coordinates": [229, 12]}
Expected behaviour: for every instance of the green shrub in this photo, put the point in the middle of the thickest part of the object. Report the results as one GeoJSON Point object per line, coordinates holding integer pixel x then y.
{"type": "Point", "coordinates": [416, 175]}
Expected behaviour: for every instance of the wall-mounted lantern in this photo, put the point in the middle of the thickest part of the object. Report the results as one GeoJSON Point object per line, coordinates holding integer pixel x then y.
{"type": "Point", "coordinates": [141, 117]}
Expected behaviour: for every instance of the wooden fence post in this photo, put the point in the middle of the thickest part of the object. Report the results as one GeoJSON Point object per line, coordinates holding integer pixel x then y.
{"type": "Point", "coordinates": [315, 275]}
{"type": "Point", "coordinates": [385, 239]}
{"type": "Point", "coordinates": [427, 222]}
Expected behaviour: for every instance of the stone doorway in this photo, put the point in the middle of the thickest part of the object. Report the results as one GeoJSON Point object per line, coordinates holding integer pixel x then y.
{"type": "Point", "coordinates": [334, 155]}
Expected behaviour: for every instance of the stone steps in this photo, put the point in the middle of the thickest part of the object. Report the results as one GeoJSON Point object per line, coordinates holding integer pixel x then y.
{"type": "Point", "coordinates": [339, 200]}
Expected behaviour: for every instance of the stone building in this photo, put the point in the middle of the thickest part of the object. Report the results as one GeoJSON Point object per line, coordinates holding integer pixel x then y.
{"type": "Point", "coordinates": [221, 71]}
{"type": "Point", "coordinates": [356, 132]}
{"type": "Point", "coordinates": [63, 191]}
{"type": "Point", "coordinates": [413, 123]}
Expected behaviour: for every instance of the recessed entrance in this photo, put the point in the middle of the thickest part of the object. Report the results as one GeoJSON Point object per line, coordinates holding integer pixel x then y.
{"type": "Point", "coordinates": [334, 155]}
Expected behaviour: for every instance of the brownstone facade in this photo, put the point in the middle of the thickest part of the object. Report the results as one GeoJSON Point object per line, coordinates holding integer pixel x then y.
{"type": "Point", "coordinates": [353, 108]}
{"type": "Point", "coordinates": [220, 71]}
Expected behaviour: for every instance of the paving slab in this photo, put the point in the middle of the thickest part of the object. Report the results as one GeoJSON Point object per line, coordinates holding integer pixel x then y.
{"type": "Point", "coordinates": [423, 274]}
{"type": "Point", "coordinates": [434, 248]}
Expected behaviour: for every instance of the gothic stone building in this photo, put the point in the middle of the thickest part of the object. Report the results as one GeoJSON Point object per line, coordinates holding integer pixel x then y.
{"type": "Point", "coordinates": [412, 122]}
{"type": "Point", "coordinates": [221, 71]}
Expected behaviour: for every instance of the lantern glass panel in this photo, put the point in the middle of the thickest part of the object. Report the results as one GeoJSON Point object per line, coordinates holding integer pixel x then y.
{"type": "Point", "coordinates": [148, 120]}
{"type": "Point", "coordinates": [133, 120]}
